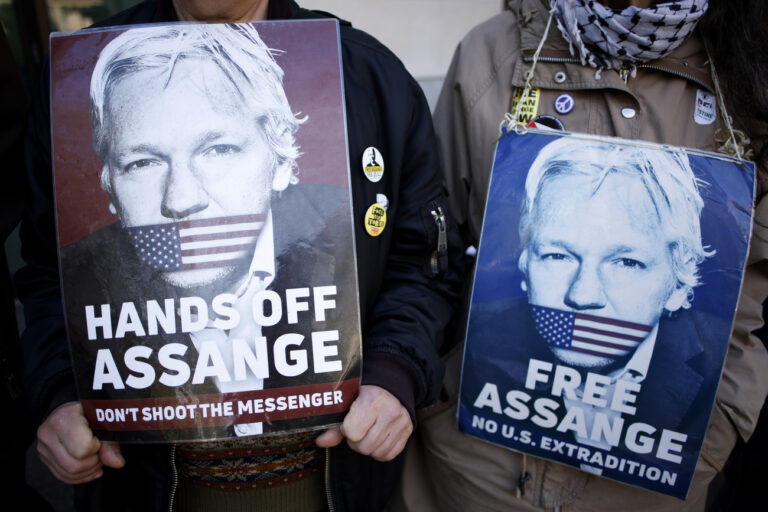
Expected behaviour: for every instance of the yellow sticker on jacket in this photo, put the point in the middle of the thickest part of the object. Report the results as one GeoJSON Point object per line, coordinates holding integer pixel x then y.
{"type": "Point", "coordinates": [375, 219]}
{"type": "Point", "coordinates": [530, 107]}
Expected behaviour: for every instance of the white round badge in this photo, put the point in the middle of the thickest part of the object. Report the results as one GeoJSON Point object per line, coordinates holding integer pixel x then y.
{"type": "Point", "coordinates": [373, 164]}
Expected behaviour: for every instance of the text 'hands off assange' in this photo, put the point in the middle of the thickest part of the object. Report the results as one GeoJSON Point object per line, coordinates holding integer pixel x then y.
{"type": "Point", "coordinates": [248, 358]}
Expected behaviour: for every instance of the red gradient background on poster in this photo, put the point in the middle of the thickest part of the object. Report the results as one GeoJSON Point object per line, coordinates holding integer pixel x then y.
{"type": "Point", "coordinates": [311, 84]}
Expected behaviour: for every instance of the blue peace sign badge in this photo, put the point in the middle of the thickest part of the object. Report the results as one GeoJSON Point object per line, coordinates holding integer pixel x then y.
{"type": "Point", "coordinates": [564, 103]}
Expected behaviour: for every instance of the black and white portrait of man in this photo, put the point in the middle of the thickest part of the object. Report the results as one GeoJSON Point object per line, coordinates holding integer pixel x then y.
{"type": "Point", "coordinates": [197, 143]}
{"type": "Point", "coordinates": [193, 129]}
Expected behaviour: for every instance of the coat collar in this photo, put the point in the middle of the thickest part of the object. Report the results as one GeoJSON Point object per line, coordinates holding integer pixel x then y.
{"type": "Point", "coordinates": [689, 61]}
{"type": "Point", "coordinates": [276, 10]}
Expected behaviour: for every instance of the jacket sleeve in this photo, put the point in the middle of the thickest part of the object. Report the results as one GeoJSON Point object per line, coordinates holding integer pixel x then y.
{"type": "Point", "coordinates": [405, 305]}
{"type": "Point", "coordinates": [451, 128]}
{"type": "Point", "coordinates": [48, 377]}
{"type": "Point", "coordinates": [416, 304]}
{"type": "Point", "coordinates": [468, 116]}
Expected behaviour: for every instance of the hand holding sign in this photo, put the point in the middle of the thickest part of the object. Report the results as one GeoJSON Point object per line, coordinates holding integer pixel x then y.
{"type": "Point", "coordinates": [377, 424]}
{"type": "Point", "coordinates": [70, 450]}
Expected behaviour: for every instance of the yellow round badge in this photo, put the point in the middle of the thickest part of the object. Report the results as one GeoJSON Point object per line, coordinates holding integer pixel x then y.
{"type": "Point", "coordinates": [375, 219]}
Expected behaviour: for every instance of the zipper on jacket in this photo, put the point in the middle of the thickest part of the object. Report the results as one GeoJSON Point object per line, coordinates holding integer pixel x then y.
{"type": "Point", "coordinates": [175, 477]}
{"type": "Point", "coordinates": [624, 74]}
{"type": "Point", "coordinates": [676, 73]}
{"type": "Point", "coordinates": [328, 495]}
{"type": "Point", "coordinates": [563, 60]}
{"type": "Point", "coordinates": [441, 251]}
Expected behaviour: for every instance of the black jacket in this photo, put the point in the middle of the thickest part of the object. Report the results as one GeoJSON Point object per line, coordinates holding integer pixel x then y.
{"type": "Point", "coordinates": [404, 306]}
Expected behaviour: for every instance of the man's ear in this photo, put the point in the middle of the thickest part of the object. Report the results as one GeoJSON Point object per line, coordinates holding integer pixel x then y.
{"type": "Point", "coordinates": [104, 179]}
{"type": "Point", "coordinates": [676, 300]}
{"type": "Point", "coordinates": [282, 176]}
{"type": "Point", "coordinates": [107, 187]}
{"type": "Point", "coordinates": [522, 265]}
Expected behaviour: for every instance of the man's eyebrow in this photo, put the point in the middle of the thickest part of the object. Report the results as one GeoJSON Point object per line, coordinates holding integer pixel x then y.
{"type": "Point", "coordinates": [624, 248]}
{"type": "Point", "coordinates": [210, 137]}
{"type": "Point", "coordinates": [627, 249]}
{"type": "Point", "coordinates": [138, 148]}
{"type": "Point", "coordinates": [562, 244]}
{"type": "Point", "coordinates": [556, 243]}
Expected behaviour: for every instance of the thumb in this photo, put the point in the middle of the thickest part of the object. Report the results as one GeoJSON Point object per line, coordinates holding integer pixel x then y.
{"type": "Point", "coordinates": [111, 456]}
{"type": "Point", "coordinates": [329, 438]}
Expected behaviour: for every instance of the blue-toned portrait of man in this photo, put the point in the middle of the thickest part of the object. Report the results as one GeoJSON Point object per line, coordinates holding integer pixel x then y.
{"type": "Point", "coordinates": [586, 324]}
{"type": "Point", "coordinates": [601, 219]}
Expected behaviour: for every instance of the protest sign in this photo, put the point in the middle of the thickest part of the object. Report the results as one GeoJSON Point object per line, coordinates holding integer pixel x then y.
{"type": "Point", "coordinates": [607, 280]}
{"type": "Point", "coordinates": [205, 228]}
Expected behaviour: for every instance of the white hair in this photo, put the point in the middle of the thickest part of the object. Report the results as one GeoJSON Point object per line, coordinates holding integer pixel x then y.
{"type": "Point", "coordinates": [238, 52]}
{"type": "Point", "coordinates": [667, 177]}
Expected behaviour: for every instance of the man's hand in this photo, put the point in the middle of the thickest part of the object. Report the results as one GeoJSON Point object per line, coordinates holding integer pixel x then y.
{"type": "Point", "coordinates": [70, 450]}
{"type": "Point", "coordinates": [377, 424]}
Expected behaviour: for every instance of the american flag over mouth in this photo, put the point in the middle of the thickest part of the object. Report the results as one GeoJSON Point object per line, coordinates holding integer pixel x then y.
{"type": "Point", "coordinates": [589, 334]}
{"type": "Point", "coordinates": [195, 244]}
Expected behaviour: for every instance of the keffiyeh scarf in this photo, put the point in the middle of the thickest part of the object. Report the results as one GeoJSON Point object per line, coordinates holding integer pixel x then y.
{"type": "Point", "coordinates": [611, 39]}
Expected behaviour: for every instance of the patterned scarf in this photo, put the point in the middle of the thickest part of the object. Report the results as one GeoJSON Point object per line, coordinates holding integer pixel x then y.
{"type": "Point", "coordinates": [612, 39]}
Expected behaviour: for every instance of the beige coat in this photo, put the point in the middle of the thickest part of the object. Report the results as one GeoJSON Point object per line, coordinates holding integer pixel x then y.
{"type": "Point", "coordinates": [448, 471]}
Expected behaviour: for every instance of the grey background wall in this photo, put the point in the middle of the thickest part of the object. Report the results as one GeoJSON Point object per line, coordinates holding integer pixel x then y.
{"type": "Point", "coordinates": [423, 33]}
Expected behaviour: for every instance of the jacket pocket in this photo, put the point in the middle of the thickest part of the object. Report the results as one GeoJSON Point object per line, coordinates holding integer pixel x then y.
{"type": "Point", "coordinates": [720, 439]}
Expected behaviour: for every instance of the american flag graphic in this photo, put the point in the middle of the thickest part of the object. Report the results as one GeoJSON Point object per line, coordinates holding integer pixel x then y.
{"type": "Point", "coordinates": [200, 243]}
{"type": "Point", "coordinates": [589, 334]}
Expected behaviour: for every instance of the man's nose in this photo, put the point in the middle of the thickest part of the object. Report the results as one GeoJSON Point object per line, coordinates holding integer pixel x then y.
{"type": "Point", "coordinates": [184, 194]}
{"type": "Point", "coordinates": [585, 290]}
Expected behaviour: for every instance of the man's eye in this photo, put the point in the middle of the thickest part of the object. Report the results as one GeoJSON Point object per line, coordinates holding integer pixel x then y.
{"type": "Point", "coordinates": [630, 263]}
{"type": "Point", "coordinates": [139, 164]}
{"type": "Point", "coordinates": [222, 150]}
{"type": "Point", "coordinates": [554, 256]}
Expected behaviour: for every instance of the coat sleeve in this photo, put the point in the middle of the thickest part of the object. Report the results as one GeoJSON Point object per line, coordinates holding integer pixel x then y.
{"type": "Point", "coordinates": [405, 305]}
{"type": "Point", "coordinates": [475, 96]}
{"type": "Point", "coordinates": [48, 376]}
{"type": "Point", "coordinates": [407, 325]}
{"type": "Point", "coordinates": [451, 128]}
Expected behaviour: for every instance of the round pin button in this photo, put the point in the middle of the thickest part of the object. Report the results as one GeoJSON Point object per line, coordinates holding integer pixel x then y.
{"type": "Point", "coordinates": [373, 164]}
{"type": "Point", "coordinates": [564, 103]}
{"type": "Point", "coordinates": [375, 219]}
{"type": "Point", "coordinates": [628, 112]}
{"type": "Point", "coordinates": [382, 200]}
